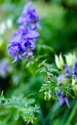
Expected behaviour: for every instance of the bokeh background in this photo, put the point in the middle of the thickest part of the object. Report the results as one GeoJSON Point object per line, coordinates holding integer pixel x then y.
{"type": "Point", "coordinates": [58, 19]}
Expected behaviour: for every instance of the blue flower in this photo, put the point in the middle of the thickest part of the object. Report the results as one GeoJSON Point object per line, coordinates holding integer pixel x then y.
{"type": "Point", "coordinates": [62, 99]}
{"type": "Point", "coordinates": [59, 93]}
{"type": "Point", "coordinates": [22, 42]}
{"type": "Point", "coordinates": [20, 46]}
{"type": "Point", "coordinates": [61, 78]}
{"type": "Point", "coordinates": [29, 17]}
{"type": "Point", "coordinates": [67, 70]}
{"type": "Point", "coordinates": [14, 51]}
{"type": "Point", "coordinates": [28, 46]}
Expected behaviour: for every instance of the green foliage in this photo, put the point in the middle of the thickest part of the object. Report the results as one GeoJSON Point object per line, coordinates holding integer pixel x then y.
{"type": "Point", "coordinates": [15, 108]}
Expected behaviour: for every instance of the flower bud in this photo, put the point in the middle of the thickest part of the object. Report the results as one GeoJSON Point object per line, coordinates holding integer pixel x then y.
{"type": "Point", "coordinates": [47, 95]}
{"type": "Point", "coordinates": [73, 82]}
{"type": "Point", "coordinates": [59, 61]}
{"type": "Point", "coordinates": [70, 59]}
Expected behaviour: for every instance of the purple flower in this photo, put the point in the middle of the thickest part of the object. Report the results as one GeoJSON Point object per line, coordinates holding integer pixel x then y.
{"type": "Point", "coordinates": [74, 69]}
{"type": "Point", "coordinates": [15, 48]}
{"type": "Point", "coordinates": [29, 17]}
{"type": "Point", "coordinates": [28, 45]}
{"type": "Point", "coordinates": [67, 70]}
{"type": "Point", "coordinates": [20, 47]}
{"type": "Point", "coordinates": [22, 42]}
{"type": "Point", "coordinates": [61, 78]}
{"type": "Point", "coordinates": [62, 99]}
{"type": "Point", "coordinates": [59, 93]}
{"type": "Point", "coordinates": [14, 51]}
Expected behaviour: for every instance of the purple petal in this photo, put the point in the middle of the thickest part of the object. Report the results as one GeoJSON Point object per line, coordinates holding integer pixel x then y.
{"type": "Point", "coordinates": [59, 93]}
{"type": "Point", "coordinates": [16, 37]}
{"type": "Point", "coordinates": [15, 60]}
{"type": "Point", "coordinates": [33, 26]}
{"type": "Point", "coordinates": [32, 34]}
{"type": "Point", "coordinates": [23, 16]}
{"type": "Point", "coordinates": [61, 100]}
{"type": "Point", "coordinates": [13, 36]}
{"type": "Point", "coordinates": [61, 78]}
{"type": "Point", "coordinates": [27, 7]}
{"type": "Point", "coordinates": [20, 19]}
{"type": "Point", "coordinates": [24, 54]}
{"type": "Point", "coordinates": [67, 103]}
{"type": "Point", "coordinates": [10, 52]}
{"type": "Point", "coordinates": [29, 54]}
{"type": "Point", "coordinates": [38, 26]}
{"type": "Point", "coordinates": [67, 70]}
{"type": "Point", "coordinates": [20, 57]}
{"type": "Point", "coordinates": [28, 44]}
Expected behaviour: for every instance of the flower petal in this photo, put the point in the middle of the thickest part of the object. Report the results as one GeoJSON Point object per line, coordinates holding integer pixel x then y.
{"type": "Point", "coordinates": [27, 7]}
{"type": "Point", "coordinates": [67, 103]}
{"type": "Point", "coordinates": [61, 100]}
{"type": "Point", "coordinates": [15, 60]}
{"type": "Point", "coordinates": [32, 34]}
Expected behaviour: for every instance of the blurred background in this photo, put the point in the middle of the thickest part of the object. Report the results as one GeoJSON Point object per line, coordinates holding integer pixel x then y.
{"type": "Point", "coordinates": [58, 19]}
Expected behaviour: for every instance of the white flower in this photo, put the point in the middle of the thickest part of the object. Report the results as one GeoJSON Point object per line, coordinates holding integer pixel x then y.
{"type": "Point", "coordinates": [59, 61]}
{"type": "Point", "coordinates": [70, 59]}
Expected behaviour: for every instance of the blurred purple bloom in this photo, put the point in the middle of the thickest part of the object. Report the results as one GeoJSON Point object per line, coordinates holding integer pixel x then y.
{"type": "Point", "coordinates": [62, 99]}
{"type": "Point", "coordinates": [20, 46]}
{"type": "Point", "coordinates": [74, 68]}
{"type": "Point", "coordinates": [67, 70]}
{"type": "Point", "coordinates": [61, 78]}
{"type": "Point", "coordinates": [28, 45]}
{"type": "Point", "coordinates": [3, 67]}
{"type": "Point", "coordinates": [14, 51]}
{"type": "Point", "coordinates": [29, 17]}
{"type": "Point", "coordinates": [22, 42]}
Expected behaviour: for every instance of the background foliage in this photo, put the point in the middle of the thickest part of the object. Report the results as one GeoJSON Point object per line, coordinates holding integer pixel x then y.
{"type": "Point", "coordinates": [21, 82]}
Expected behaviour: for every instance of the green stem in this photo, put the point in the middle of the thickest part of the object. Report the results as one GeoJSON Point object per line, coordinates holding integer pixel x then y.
{"type": "Point", "coordinates": [69, 94]}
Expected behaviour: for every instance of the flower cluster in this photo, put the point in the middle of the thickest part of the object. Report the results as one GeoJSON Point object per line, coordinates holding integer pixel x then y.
{"type": "Point", "coordinates": [61, 81]}
{"type": "Point", "coordinates": [68, 76]}
{"type": "Point", "coordinates": [22, 42]}
{"type": "Point", "coordinates": [70, 70]}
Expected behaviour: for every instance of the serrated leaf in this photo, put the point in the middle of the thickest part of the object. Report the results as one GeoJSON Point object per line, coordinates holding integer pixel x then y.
{"type": "Point", "coordinates": [45, 87]}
